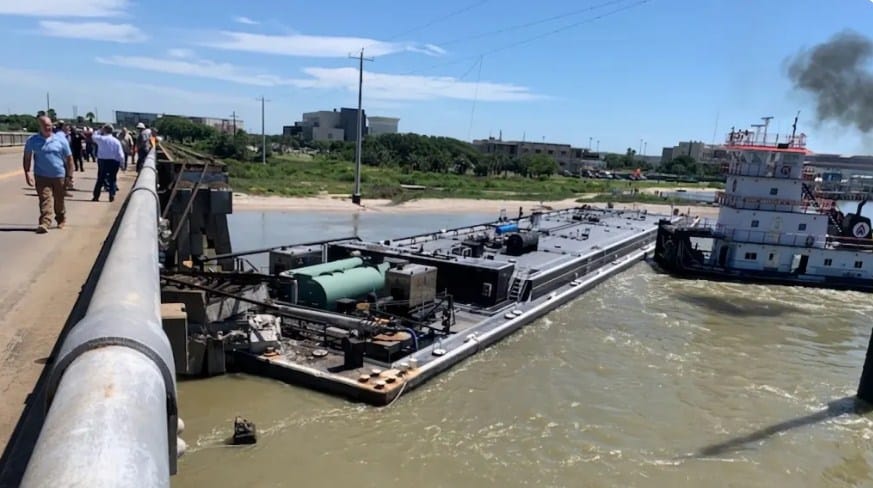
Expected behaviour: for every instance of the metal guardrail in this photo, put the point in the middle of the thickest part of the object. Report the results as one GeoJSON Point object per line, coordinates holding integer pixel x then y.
{"type": "Point", "coordinates": [112, 415]}
{"type": "Point", "coordinates": [14, 138]}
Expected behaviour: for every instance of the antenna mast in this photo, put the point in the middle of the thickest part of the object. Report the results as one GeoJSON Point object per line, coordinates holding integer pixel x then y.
{"type": "Point", "coordinates": [766, 124]}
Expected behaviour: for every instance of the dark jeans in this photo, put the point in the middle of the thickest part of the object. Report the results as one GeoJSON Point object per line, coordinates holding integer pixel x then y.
{"type": "Point", "coordinates": [79, 165]}
{"type": "Point", "coordinates": [140, 159]}
{"type": "Point", "coordinates": [107, 172]}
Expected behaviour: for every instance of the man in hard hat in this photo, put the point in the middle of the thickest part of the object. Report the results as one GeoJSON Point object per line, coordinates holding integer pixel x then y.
{"type": "Point", "coordinates": [143, 144]}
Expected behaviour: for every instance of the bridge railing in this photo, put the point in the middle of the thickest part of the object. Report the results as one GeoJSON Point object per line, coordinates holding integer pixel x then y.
{"type": "Point", "coordinates": [112, 415]}
{"type": "Point", "coordinates": [13, 138]}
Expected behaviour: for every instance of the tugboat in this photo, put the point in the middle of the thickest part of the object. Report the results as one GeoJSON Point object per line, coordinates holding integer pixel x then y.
{"type": "Point", "coordinates": [771, 228]}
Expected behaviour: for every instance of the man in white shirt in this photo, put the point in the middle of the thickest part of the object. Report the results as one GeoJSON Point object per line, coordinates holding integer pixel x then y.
{"type": "Point", "coordinates": [110, 157]}
{"type": "Point", "coordinates": [143, 145]}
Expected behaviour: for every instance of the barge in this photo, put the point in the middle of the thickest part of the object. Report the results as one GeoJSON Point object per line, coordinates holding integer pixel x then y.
{"type": "Point", "coordinates": [371, 320]}
{"type": "Point", "coordinates": [771, 227]}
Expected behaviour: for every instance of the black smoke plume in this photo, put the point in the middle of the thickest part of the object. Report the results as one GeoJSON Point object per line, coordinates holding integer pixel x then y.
{"type": "Point", "coordinates": [837, 73]}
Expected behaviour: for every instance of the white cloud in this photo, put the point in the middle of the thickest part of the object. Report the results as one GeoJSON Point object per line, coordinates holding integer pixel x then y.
{"type": "Point", "coordinates": [202, 69]}
{"type": "Point", "coordinates": [23, 86]}
{"type": "Point", "coordinates": [385, 86]}
{"type": "Point", "coordinates": [180, 53]}
{"type": "Point", "coordinates": [315, 46]}
{"type": "Point", "coordinates": [97, 31]}
{"type": "Point", "coordinates": [245, 20]}
{"type": "Point", "coordinates": [63, 8]}
{"type": "Point", "coordinates": [377, 86]}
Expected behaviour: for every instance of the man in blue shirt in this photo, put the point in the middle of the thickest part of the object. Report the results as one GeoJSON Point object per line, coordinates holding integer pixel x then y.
{"type": "Point", "coordinates": [53, 163]}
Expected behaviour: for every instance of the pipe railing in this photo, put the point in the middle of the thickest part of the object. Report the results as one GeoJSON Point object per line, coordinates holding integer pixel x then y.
{"type": "Point", "coordinates": [112, 415]}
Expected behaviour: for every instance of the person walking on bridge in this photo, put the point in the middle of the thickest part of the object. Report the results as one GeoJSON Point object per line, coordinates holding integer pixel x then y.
{"type": "Point", "coordinates": [144, 144]}
{"type": "Point", "coordinates": [52, 161]}
{"type": "Point", "coordinates": [126, 145]}
{"type": "Point", "coordinates": [110, 157]}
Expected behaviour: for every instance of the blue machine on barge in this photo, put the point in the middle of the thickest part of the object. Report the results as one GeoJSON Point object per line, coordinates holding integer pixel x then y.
{"type": "Point", "coordinates": [370, 320]}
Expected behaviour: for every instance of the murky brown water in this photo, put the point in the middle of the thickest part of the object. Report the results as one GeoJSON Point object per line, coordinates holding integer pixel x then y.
{"type": "Point", "coordinates": [645, 381]}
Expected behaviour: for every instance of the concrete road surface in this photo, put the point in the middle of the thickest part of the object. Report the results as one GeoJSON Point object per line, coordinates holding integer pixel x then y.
{"type": "Point", "coordinates": [41, 275]}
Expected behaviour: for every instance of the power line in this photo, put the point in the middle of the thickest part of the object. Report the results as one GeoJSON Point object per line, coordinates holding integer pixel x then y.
{"type": "Point", "coordinates": [437, 20]}
{"type": "Point", "coordinates": [528, 40]}
{"type": "Point", "coordinates": [567, 27]}
{"type": "Point", "coordinates": [525, 25]}
{"type": "Point", "coordinates": [475, 98]}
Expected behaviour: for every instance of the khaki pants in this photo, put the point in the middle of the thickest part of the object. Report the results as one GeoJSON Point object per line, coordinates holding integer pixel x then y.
{"type": "Point", "coordinates": [51, 200]}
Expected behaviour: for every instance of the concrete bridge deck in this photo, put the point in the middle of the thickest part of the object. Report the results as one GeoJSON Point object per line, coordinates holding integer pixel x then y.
{"type": "Point", "coordinates": [41, 275]}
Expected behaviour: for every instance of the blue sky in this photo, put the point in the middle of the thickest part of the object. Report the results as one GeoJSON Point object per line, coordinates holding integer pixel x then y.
{"type": "Point", "coordinates": [622, 71]}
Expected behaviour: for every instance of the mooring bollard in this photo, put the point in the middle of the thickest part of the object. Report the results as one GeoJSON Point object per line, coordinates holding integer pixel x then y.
{"type": "Point", "coordinates": [865, 386]}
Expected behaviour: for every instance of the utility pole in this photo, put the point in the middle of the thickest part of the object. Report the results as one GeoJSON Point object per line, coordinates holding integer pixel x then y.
{"type": "Point", "coordinates": [48, 103]}
{"type": "Point", "coordinates": [75, 112]}
{"type": "Point", "coordinates": [356, 196]}
{"type": "Point", "coordinates": [641, 147]}
{"type": "Point", "coordinates": [233, 117]}
{"type": "Point", "coordinates": [263, 133]}
{"type": "Point", "coordinates": [589, 143]}
{"type": "Point", "coordinates": [645, 147]}
{"type": "Point", "coordinates": [598, 145]}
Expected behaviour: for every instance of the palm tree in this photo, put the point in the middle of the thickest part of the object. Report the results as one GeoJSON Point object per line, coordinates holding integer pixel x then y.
{"type": "Point", "coordinates": [90, 117]}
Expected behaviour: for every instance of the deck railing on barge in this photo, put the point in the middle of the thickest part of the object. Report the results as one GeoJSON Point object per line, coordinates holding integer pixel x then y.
{"type": "Point", "coordinates": [775, 238]}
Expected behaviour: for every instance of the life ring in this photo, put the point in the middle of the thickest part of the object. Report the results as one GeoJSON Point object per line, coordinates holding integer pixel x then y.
{"type": "Point", "coordinates": [810, 240]}
{"type": "Point", "coordinates": [786, 170]}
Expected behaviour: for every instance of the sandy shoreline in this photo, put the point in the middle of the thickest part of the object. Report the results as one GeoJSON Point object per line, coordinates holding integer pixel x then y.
{"type": "Point", "coordinates": [244, 202]}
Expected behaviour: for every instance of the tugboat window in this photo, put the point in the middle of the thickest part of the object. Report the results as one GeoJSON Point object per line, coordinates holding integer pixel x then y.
{"type": "Point", "coordinates": [828, 262]}
{"type": "Point", "coordinates": [801, 227]}
{"type": "Point", "coordinates": [774, 191]}
{"type": "Point", "coordinates": [858, 264]}
{"type": "Point", "coordinates": [752, 256]}
{"type": "Point", "coordinates": [754, 223]}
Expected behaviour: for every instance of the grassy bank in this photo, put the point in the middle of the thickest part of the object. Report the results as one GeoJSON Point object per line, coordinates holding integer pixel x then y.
{"type": "Point", "coordinates": [301, 177]}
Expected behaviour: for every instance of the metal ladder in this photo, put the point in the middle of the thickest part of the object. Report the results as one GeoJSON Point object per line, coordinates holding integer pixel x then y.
{"type": "Point", "coordinates": [515, 289]}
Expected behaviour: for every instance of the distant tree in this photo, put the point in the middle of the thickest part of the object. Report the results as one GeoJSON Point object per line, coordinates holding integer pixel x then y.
{"type": "Point", "coordinates": [41, 113]}
{"type": "Point", "coordinates": [183, 129]}
{"type": "Point", "coordinates": [682, 165]}
{"type": "Point", "coordinates": [90, 116]}
{"type": "Point", "coordinates": [539, 165]}
{"type": "Point", "coordinates": [52, 114]}
{"type": "Point", "coordinates": [18, 122]}
{"type": "Point", "coordinates": [614, 161]}
{"type": "Point", "coordinates": [80, 119]}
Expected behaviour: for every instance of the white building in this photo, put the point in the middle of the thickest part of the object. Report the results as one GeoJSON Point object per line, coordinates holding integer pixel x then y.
{"type": "Point", "coordinates": [382, 125]}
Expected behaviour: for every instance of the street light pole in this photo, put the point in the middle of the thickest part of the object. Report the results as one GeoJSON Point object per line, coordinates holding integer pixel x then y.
{"type": "Point", "coordinates": [598, 145]}
{"type": "Point", "coordinates": [589, 143]}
